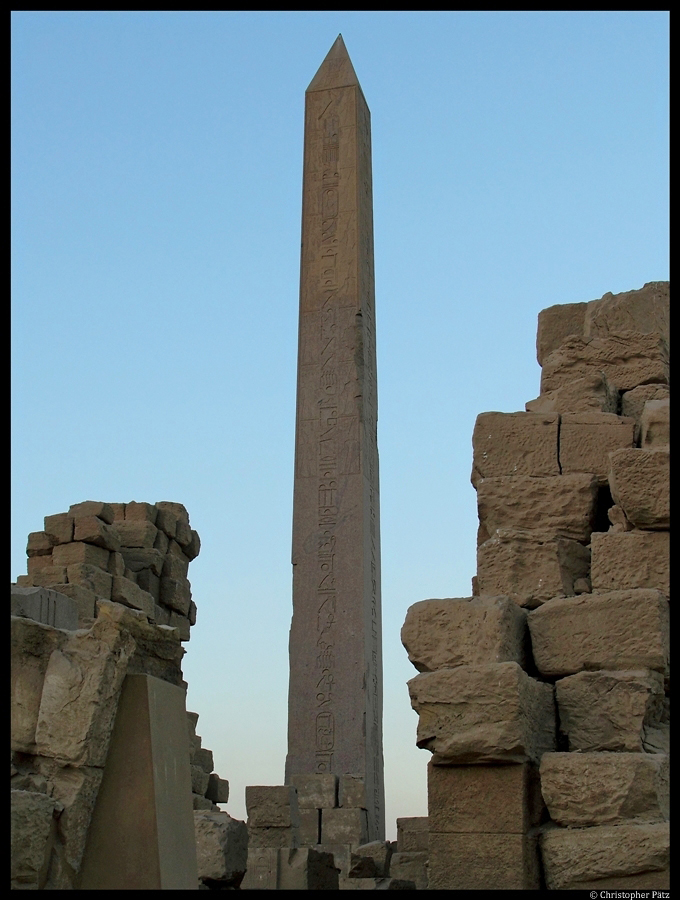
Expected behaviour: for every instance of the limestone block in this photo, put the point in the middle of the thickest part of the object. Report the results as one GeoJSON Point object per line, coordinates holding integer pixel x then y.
{"type": "Point", "coordinates": [183, 534]}
{"type": "Point", "coordinates": [192, 613]}
{"type": "Point", "coordinates": [307, 869]}
{"type": "Point", "coordinates": [498, 799]}
{"type": "Point", "coordinates": [82, 554]}
{"type": "Point", "coordinates": [176, 594]}
{"type": "Point", "coordinates": [528, 568]}
{"type": "Point", "coordinates": [161, 615]}
{"type": "Point", "coordinates": [136, 534]}
{"type": "Point", "coordinates": [93, 530]}
{"type": "Point", "coordinates": [310, 827]}
{"type": "Point", "coordinates": [194, 547]}
{"type": "Point", "coordinates": [579, 858]}
{"type": "Point", "coordinates": [157, 650]}
{"type": "Point", "coordinates": [92, 508]}
{"type": "Point", "coordinates": [43, 574]}
{"type": "Point", "coordinates": [199, 781]}
{"type": "Point", "coordinates": [461, 862]}
{"type": "Point", "coordinates": [32, 829]}
{"type": "Point", "coordinates": [646, 310]}
{"type": "Point", "coordinates": [272, 836]}
{"type": "Point", "coordinates": [181, 623]}
{"type": "Point", "coordinates": [587, 438]}
{"type": "Point", "coordinates": [555, 324]}
{"type": "Point", "coordinates": [162, 542]}
{"type": "Point", "coordinates": [342, 854]}
{"type": "Point", "coordinates": [218, 789]}
{"type": "Point", "coordinates": [59, 528]}
{"type": "Point", "coordinates": [639, 482]}
{"type": "Point", "coordinates": [316, 791]}
{"type": "Point", "coordinates": [140, 512]}
{"type": "Point", "coordinates": [371, 860]}
{"type": "Point", "coordinates": [263, 869]}
{"type": "Point", "coordinates": [618, 520]}
{"type": "Point", "coordinates": [608, 710]}
{"type": "Point", "coordinates": [130, 594]}
{"type": "Point", "coordinates": [118, 511]}
{"type": "Point", "coordinates": [32, 645]}
{"type": "Point", "coordinates": [466, 631]}
{"type": "Point", "coordinates": [39, 544]}
{"type": "Point", "coordinates": [344, 826]}
{"type": "Point", "coordinates": [627, 360]}
{"type": "Point", "coordinates": [221, 847]}
{"type": "Point", "coordinates": [413, 834]}
{"type": "Point", "coordinates": [410, 867]}
{"type": "Point", "coordinates": [44, 605]}
{"type": "Point", "coordinates": [149, 582]}
{"type": "Point", "coordinates": [591, 392]}
{"type": "Point", "coordinates": [655, 425]}
{"type": "Point", "coordinates": [617, 630]}
{"type": "Point", "coordinates": [518, 443]}
{"type": "Point", "coordinates": [633, 402]}
{"type": "Point", "coordinates": [352, 792]}
{"type": "Point", "coordinates": [84, 598]}
{"type": "Point", "coordinates": [483, 714]}
{"type": "Point", "coordinates": [583, 789]}
{"type": "Point", "coordinates": [92, 578]}
{"type": "Point", "coordinates": [202, 804]}
{"type": "Point", "coordinates": [631, 559]}
{"type": "Point", "coordinates": [139, 559]}
{"type": "Point", "coordinates": [178, 510]}
{"type": "Point", "coordinates": [175, 565]}
{"type": "Point", "coordinates": [116, 564]}
{"type": "Point", "coordinates": [561, 505]}
{"type": "Point", "coordinates": [272, 806]}
{"type": "Point", "coordinates": [169, 514]}
{"type": "Point", "coordinates": [204, 758]}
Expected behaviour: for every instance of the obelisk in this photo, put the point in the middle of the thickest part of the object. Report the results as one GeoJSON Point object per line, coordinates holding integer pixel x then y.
{"type": "Point", "coordinates": [335, 690]}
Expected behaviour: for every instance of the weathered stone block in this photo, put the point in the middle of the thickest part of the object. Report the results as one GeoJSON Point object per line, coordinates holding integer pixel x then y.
{"type": "Point", "coordinates": [579, 858]}
{"type": "Point", "coordinates": [618, 630]}
{"type": "Point", "coordinates": [116, 564]}
{"type": "Point", "coordinates": [461, 862]}
{"type": "Point", "coordinates": [181, 623]}
{"type": "Point", "coordinates": [307, 869]}
{"type": "Point", "coordinates": [655, 425]}
{"type": "Point", "coordinates": [84, 598]}
{"type": "Point", "coordinates": [498, 799]}
{"type": "Point", "coordinates": [136, 534]}
{"type": "Point", "coordinates": [149, 582]}
{"type": "Point", "coordinates": [263, 869]}
{"type": "Point", "coordinates": [93, 530]}
{"type": "Point", "coordinates": [175, 565]}
{"type": "Point", "coordinates": [92, 508]}
{"type": "Point", "coordinates": [410, 867]}
{"type": "Point", "coordinates": [639, 482]}
{"type": "Point", "coordinates": [441, 634]}
{"type": "Point", "coordinates": [611, 710]}
{"type": "Point", "coordinates": [162, 542]}
{"type": "Point", "coordinates": [272, 806]}
{"type": "Point", "coordinates": [316, 791]}
{"type": "Point", "coordinates": [583, 789]}
{"type": "Point", "coordinates": [204, 758]}
{"type": "Point", "coordinates": [413, 834]}
{"type": "Point", "coordinates": [118, 511]}
{"type": "Point", "coordinates": [587, 438]}
{"type": "Point", "coordinates": [139, 559]}
{"type": "Point", "coordinates": [272, 836]}
{"type": "Point", "coordinates": [632, 559]}
{"type": "Point", "coordinates": [202, 804]}
{"type": "Point", "coordinates": [556, 324]}
{"type": "Point", "coordinates": [591, 392]}
{"type": "Point", "coordinates": [32, 829]}
{"type": "Point", "coordinates": [218, 789]}
{"type": "Point", "coordinates": [82, 554]}
{"type": "Point", "coordinates": [161, 615]}
{"type": "Point", "coordinates": [310, 827]}
{"type": "Point", "coordinates": [483, 714]}
{"type": "Point", "coordinates": [59, 528]}
{"type": "Point", "coordinates": [633, 402]}
{"type": "Point", "coordinates": [199, 781]}
{"type": "Point", "coordinates": [140, 512]}
{"type": "Point", "coordinates": [344, 826]}
{"type": "Point", "coordinates": [627, 360]}
{"type": "Point", "coordinates": [44, 605]}
{"type": "Point", "coordinates": [92, 578]}
{"type": "Point", "coordinates": [183, 534]}
{"type": "Point", "coordinates": [371, 860]}
{"type": "Point", "coordinates": [39, 544]}
{"type": "Point", "coordinates": [176, 594]}
{"type": "Point", "coordinates": [194, 547]}
{"type": "Point", "coordinates": [561, 505]}
{"type": "Point", "coordinates": [221, 847]}
{"type": "Point", "coordinates": [518, 443]}
{"type": "Point", "coordinates": [645, 311]}
{"type": "Point", "coordinates": [530, 569]}
{"type": "Point", "coordinates": [352, 792]}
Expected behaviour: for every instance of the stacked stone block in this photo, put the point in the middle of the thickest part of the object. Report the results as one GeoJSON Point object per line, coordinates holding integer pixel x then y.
{"type": "Point", "coordinates": [409, 862]}
{"type": "Point", "coordinates": [574, 524]}
{"type": "Point", "coordinates": [137, 554]}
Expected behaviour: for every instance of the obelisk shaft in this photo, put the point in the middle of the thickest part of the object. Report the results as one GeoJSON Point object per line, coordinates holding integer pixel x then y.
{"type": "Point", "coordinates": [335, 692]}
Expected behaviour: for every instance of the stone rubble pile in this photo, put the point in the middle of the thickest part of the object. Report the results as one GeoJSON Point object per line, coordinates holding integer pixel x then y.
{"type": "Point", "coordinates": [542, 697]}
{"type": "Point", "coordinates": [137, 554]}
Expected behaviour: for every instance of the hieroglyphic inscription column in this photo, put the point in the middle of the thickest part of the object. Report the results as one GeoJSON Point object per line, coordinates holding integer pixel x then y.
{"type": "Point", "coordinates": [335, 693]}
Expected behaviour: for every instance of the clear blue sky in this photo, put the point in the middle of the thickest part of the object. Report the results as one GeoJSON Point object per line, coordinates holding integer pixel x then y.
{"type": "Point", "coordinates": [520, 160]}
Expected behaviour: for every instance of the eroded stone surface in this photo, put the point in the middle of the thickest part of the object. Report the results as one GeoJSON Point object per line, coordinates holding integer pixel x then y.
{"type": "Point", "coordinates": [221, 847]}
{"type": "Point", "coordinates": [461, 862]}
{"type": "Point", "coordinates": [32, 828]}
{"type": "Point", "coordinates": [518, 443]}
{"type": "Point", "coordinates": [640, 485]}
{"type": "Point", "coordinates": [630, 559]}
{"type": "Point", "coordinates": [655, 425]}
{"type": "Point", "coordinates": [587, 438]}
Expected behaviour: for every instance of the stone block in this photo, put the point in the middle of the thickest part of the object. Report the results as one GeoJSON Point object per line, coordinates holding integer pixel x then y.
{"type": "Point", "coordinates": [176, 594]}
{"type": "Point", "coordinates": [627, 360]}
{"type": "Point", "coordinates": [161, 615]}
{"type": "Point", "coordinates": [413, 834]}
{"type": "Point", "coordinates": [640, 485]}
{"type": "Point", "coordinates": [307, 869]}
{"type": "Point", "coordinates": [116, 564]}
{"type": "Point", "coordinates": [528, 568]}
{"type": "Point", "coordinates": [556, 324]}
{"type": "Point", "coordinates": [139, 559]}
{"type": "Point", "coordinates": [44, 605]}
{"type": "Point", "coordinates": [142, 835]}
{"type": "Point", "coordinates": [464, 862]}
{"type": "Point", "coordinates": [604, 855]}
{"type": "Point", "coordinates": [183, 533]}
{"type": "Point", "coordinates": [352, 792]}
{"type": "Point", "coordinates": [467, 631]}
{"type": "Point", "coordinates": [483, 714]}
{"type": "Point", "coordinates": [80, 554]}
{"type": "Point", "coordinates": [608, 710]}
{"type": "Point", "coordinates": [84, 598]}
{"type": "Point", "coordinates": [199, 781]}
{"type": "Point", "coordinates": [655, 425]}
{"type": "Point", "coordinates": [118, 511]}
{"type": "Point", "coordinates": [149, 582]}
{"type": "Point", "coordinates": [175, 565]}
{"type": "Point", "coordinates": [592, 392]}
{"type": "Point", "coordinates": [92, 578]}
{"type": "Point", "coordinates": [39, 544]}
{"type": "Point", "coordinates": [178, 510]}
{"type": "Point", "coordinates": [316, 791]}
{"type": "Point", "coordinates": [272, 806]}
{"type": "Point", "coordinates": [202, 804]}
{"type": "Point", "coordinates": [587, 438]}
{"type": "Point", "coordinates": [162, 542]}
{"type": "Point", "coordinates": [371, 860]}
{"type": "Point", "coordinates": [631, 559]}
{"type": "Point", "coordinates": [32, 832]}
{"type": "Point", "coordinates": [498, 799]}
{"type": "Point", "coordinates": [263, 869]}
{"type": "Point", "coordinates": [520, 443]}
{"type": "Point", "coordinates": [194, 547]}
{"type": "Point", "coordinates": [410, 867]}
{"type": "Point", "coordinates": [92, 530]}
{"type": "Point", "coordinates": [181, 623]}
{"type": "Point", "coordinates": [192, 613]}
{"type": "Point", "coordinates": [560, 505]}
{"type": "Point", "coordinates": [272, 836]}
{"type": "Point", "coordinates": [617, 630]}
{"type": "Point", "coordinates": [309, 831]}
{"type": "Point", "coordinates": [169, 515]}
{"type": "Point", "coordinates": [645, 311]}
{"type": "Point", "coordinates": [221, 847]}
{"type": "Point", "coordinates": [218, 789]}
{"type": "Point", "coordinates": [136, 534]}
{"type": "Point", "coordinates": [140, 512]}
{"type": "Point", "coordinates": [204, 758]}
{"type": "Point", "coordinates": [344, 826]}
{"type": "Point", "coordinates": [633, 402]}
{"type": "Point", "coordinates": [59, 528]}
{"type": "Point", "coordinates": [103, 511]}
{"type": "Point", "coordinates": [582, 789]}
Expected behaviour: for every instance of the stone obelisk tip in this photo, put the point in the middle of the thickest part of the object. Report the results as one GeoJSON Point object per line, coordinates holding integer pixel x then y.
{"type": "Point", "coordinates": [336, 70]}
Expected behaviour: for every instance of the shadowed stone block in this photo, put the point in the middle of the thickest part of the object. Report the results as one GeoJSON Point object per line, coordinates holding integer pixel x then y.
{"type": "Point", "coordinates": [92, 578]}
{"type": "Point", "coordinates": [59, 528]}
{"type": "Point", "coordinates": [504, 862]}
{"type": "Point", "coordinates": [587, 438]}
{"type": "Point", "coordinates": [263, 869]}
{"type": "Point", "coordinates": [88, 508]}
{"type": "Point", "coordinates": [218, 789]}
{"type": "Point", "coordinates": [371, 860]}
{"type": "Point", "coordinates": [412, 834]}
{"type": "Point", "coordinates": [39, 544]}
{"type": "Point", "coordinates": [32, 828]}
{"type": "Point", "coordinates": [79, 553]}
{"type": "Point", "coordinates": [139, 534]}
{"type": "Point", "coordinates": [44, 605]}
{"type": "Point", "coordinates": [142, 833]}
{"type": "Point", "coordinates": [632, 559]}
{"type": "Point", "coordinates": [272, 806]}
{"type": "Point", "coordinates": [655, 426]}
{"type": "Point", "coordinates": [221, 847]}
{"type": "Point", "coordinates": [518, 443]}
{"type": "Point", "coordinates": [410, 867]}
{"type": "Point", "coordinates": [307, 869]}
{"type": "Point", "coordinates": [93, 530]}
{"type": "Point", "coordinates": [640, 485]}
{"type": "Point", "coordinates": [633, 402]}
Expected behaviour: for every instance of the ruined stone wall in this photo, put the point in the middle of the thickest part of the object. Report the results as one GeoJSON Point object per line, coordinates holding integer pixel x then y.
{"type": "Point", "coordinates": [542, 696]}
